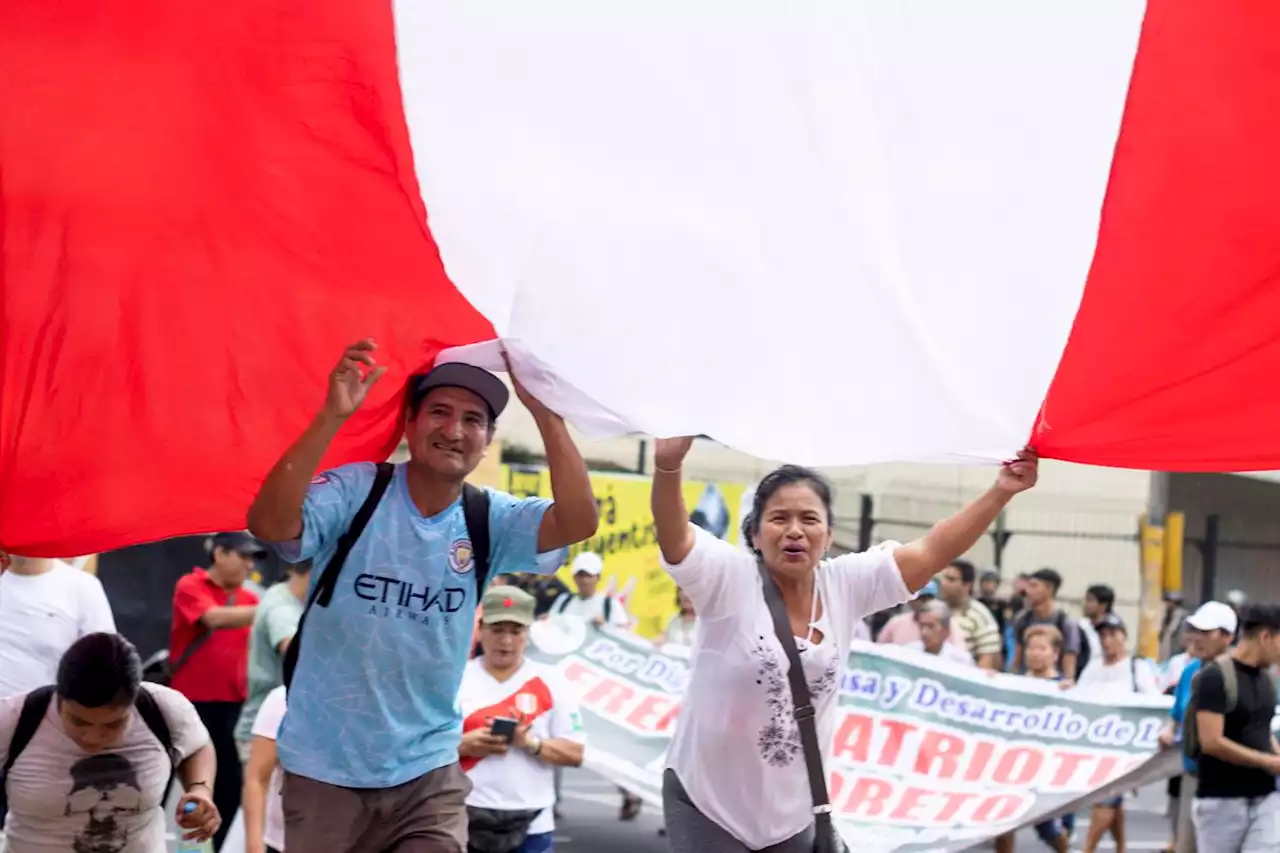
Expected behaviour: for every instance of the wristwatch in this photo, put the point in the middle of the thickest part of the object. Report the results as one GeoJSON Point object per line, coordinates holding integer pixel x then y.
{"type": "Point", "coordinates": [534, 747]}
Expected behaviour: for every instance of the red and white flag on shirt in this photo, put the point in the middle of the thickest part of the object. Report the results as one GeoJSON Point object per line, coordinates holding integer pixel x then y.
{"type": "Point", "coordinates": [837, 231]}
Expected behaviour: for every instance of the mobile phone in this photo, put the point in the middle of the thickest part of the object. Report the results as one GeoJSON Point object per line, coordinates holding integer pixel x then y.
{"type": "Point", "coordinates": [503, 727]}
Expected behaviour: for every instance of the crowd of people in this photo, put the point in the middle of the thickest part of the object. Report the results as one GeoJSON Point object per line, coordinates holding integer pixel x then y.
{"type": "Point", "coordinates": [408, 717]}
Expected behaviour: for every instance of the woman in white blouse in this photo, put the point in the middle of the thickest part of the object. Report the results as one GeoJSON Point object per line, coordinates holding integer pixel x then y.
{"type": "Point", "coordinates": [735, 779]}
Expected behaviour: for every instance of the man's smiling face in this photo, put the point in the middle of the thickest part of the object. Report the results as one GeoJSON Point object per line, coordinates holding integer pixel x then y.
{"type": "Point", "coordinates": [449, 432]}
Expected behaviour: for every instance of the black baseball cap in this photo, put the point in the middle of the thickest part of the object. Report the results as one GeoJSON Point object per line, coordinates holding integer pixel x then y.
{"type": "Point", "coordinates": [1111, 622]}
{"type": "Point", "coordinates": [455, 374]}
{"type": "Point", "coordinates": [240, 542]}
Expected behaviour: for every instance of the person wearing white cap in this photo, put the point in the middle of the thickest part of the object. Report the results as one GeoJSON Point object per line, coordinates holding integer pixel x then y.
{"type": "Point", "coordinates": [589, 603]}
{"type": "Point", "coordinates": [1209, 634]}
{"type": "Point", "coordinates": [1237, 806]}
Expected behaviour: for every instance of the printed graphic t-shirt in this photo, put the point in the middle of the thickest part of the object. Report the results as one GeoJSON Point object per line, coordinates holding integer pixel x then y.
{"type": "Point", "coordinates": [40, 617]}
{"type": "Point", "coordinates": [62, 798]}
{"type": "Point", "coordinates": [516, 780]}
{"type": "Point", "coordinates": [736, 748]}
{"type": "Point", "coordinates": [374, 698]}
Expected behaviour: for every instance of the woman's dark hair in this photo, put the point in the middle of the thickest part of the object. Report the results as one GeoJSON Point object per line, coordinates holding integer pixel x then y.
{"type": "Point", "coordinates": [787, 475]}
{"type": "Point", "coordinates": [100, 670]}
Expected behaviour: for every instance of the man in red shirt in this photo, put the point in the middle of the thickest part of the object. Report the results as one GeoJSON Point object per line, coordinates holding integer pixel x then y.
{"type": "Point", "coordinates": [209, 654]}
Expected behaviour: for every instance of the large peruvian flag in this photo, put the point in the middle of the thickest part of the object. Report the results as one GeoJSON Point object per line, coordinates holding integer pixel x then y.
{"type": "Point", "coordinates": [830, 231]}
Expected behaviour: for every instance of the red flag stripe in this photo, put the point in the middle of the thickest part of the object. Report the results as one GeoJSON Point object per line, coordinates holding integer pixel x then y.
{"type": "Point", "coordinates": [1178, 335]}
{"type": "Point", "coordinates": [202, 204]}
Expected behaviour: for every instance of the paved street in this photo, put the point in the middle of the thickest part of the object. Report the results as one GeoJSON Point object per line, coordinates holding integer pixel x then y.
{"type": "Point", "coordinates": [591, 824]}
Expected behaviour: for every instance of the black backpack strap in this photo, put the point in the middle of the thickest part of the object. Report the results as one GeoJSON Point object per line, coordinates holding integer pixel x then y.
{"type": "Point", "coordinates": [608, 610]}
{"type": "Point", "coordinates": [151, 714]}
{"type": "Point", "coordinates": [806, 722]}
{"type": "Point", "coordinates": [34, 708]}
{"type": "Point", "coordinates": [322, 592]}
{"type": "Point", "coordinates": [475, 511]}
{"type": "Point", "coordinates": [192, 647]}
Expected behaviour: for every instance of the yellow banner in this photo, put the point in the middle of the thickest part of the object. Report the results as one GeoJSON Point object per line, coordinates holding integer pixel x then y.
{"type": "Point", "coordinates": [626, 542]}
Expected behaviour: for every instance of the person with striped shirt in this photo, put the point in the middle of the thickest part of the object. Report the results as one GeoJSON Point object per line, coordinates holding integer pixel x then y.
{"type": "Point", "coordinates": [980, 629]}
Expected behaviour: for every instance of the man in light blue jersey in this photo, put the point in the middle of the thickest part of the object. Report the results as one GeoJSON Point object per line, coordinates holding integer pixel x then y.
{"type": "Point", "coordinates": [370, 740]}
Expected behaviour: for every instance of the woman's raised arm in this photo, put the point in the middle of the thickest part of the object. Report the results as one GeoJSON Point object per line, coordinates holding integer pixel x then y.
{"type": "Point", "coordinates": [670, 516]}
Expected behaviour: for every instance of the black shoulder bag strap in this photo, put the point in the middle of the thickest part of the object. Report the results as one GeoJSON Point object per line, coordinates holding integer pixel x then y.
{"type": "Point", "coordinates": [34, 707]}
{"type": "Point", "coordinates": [322, 592]}
{"type": "Point", "coordinates": [826, 839]}
{"type": "Point", "coordinates": [151, 714]}
{"type": "Point", "coordinates": [475, 511]}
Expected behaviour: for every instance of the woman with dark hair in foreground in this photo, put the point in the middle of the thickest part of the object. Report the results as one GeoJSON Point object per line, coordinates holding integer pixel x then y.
{"type": "Point", "coordinates": [736, 777]}
{"type": "Point", "coordinates": [86, 759]}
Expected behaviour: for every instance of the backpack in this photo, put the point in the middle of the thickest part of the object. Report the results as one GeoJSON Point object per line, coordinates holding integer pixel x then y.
{"type": "Point", "coordinates": [36, 705]}
{"type": "Point", "coordinates": [1190, 734]}
{"type": "Point", "coordinates": [608, 606]}
{"type": "Point", "coordinates": [475, 514]}
{"type": "Point", "coordinates": [1086, 652]}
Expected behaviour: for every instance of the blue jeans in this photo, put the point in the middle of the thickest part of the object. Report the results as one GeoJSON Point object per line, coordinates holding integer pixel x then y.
{"type": "Point", "coordinates": [1051, 830]}
{"type": "Point", "coordinates": [543, 842]}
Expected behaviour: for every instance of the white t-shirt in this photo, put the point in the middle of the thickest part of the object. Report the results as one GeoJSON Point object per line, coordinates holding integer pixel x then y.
{"type": "Point", "coordinates": [40, 617]}
{"type": "Point", "coordinates": [589, 609]}
{"type": "Point", "coordinates": [950, 652]}
{"type": "Point", "coordinates": [267, 724]}
{"type": "Point", "coordinates": [518, 781]}
{"type": "Point", "coordinates": [62, 798]}
{"type": "Point", "coordinates": [736, 747]}
{"type": "Point", "coordinates": [1119, 677]}
{"type": "Point", "coordinates": [1090, 635]}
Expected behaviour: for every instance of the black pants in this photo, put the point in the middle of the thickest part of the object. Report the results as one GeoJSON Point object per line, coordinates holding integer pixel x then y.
{"type": "Point", "coordinates": [220, 719]}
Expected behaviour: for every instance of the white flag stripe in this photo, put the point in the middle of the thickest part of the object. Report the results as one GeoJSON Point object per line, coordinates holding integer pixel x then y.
{"type": "Point", "coordinates": [725, 218]}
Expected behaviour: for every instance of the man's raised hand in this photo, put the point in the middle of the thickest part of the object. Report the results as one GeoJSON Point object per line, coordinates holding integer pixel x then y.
{"type": "Point", "coordinates": [351, 379]}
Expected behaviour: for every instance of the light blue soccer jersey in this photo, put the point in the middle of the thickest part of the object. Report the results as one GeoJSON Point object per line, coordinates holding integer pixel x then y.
{"type": "Point", "coordinates": [373, 702]}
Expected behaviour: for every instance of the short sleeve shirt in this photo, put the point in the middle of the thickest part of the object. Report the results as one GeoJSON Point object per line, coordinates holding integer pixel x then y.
{"type": "Point", "coordinates": [1248, 724]}
{"type": "Point", "coordinates": [736, 749]}
{"type": "Point", "coordinates": [537, 693]}
{"type": "Point", "coordinates": [218, 670]}
{"type": "Point", "coordinates": [40, 617]}
{"type": "Point", "coordinates": [979, 628]}
{"type": "Point", "coordinates": [266, 724]}
{"type": "Point", "coordinates": [62, 798]}
{"type": "Point", "coordinates": [373, 703]}
{"type": "Point", "coordinates": [276, 621]}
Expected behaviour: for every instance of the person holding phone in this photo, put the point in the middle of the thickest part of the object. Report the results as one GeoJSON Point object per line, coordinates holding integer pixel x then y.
{"type": "Point", "coordinates": [520, 722]}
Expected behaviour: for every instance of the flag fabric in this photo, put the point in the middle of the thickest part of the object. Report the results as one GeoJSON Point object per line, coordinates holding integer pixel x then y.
{"type": "Point", "coordinates": [831, 232]}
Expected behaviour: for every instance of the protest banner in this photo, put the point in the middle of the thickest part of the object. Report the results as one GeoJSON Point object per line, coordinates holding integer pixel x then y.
{"type": "Point", "coordinates": [633, 571]}
{"type": "Point", "coordinates": [926, 755]}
